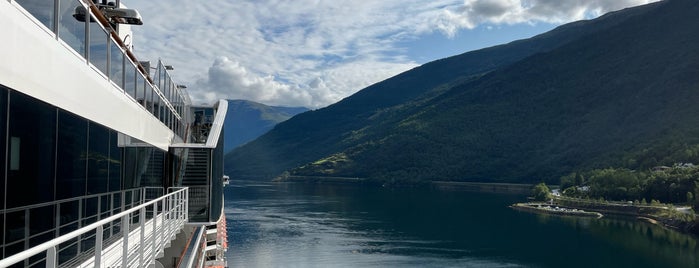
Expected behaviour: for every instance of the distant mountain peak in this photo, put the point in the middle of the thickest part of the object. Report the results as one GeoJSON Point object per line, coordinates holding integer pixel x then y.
{"type": "Point", "coordinates": [246, 120]}
{"type": "Point", "coordinates": [620, 90]}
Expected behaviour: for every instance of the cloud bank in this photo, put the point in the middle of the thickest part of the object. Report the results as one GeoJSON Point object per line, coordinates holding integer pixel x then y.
{"type": "Point", "coordinates": [313, 53]}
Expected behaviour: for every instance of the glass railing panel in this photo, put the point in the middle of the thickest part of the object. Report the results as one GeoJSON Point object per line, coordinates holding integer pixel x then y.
{"type": "Point", "coordinates": [149, 98]}
{"type": "Point", "coordinates": [161, 76]}
{"type": "Point", "coordinates": [130, 79]}
{"type": "Point", "coordinates": [140, 94]}
{"type": "Point", "coordinates": [169, 119]}
{"type": "Point", "coordinates": [70, 30]}
{"type": "Point", "coordinates": [156, 106]}
{"type": "Point", "coordinates": [166, 86]}
{"type": "Point", "coordinates": [98, 47]}
{"type": "Point", "coordinates": [42, 10]}
{"type": "Point", "coordinates": [116, 64]}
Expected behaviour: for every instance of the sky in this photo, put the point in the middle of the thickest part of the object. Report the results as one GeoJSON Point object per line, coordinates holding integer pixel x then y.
{"type": "Point", "coordinates": [313, 53]}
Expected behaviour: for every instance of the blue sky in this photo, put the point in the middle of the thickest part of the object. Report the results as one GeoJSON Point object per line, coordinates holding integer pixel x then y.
{"type": "Point", "coordinates": [436, 45]}
{"type": "Point", "coordinates": [313, 53]}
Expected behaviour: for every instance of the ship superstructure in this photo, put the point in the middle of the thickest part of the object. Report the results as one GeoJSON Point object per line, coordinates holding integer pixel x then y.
{"type": "Point", "coordinates": [105, 161]}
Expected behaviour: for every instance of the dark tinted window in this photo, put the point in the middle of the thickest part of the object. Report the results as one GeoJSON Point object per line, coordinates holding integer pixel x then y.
{"type": "Point", "coordinates": [98, 159]}
{"type": "Point", "coordinates": [72, 149]}
{"type": "Point", "coordinates": [31, 152]}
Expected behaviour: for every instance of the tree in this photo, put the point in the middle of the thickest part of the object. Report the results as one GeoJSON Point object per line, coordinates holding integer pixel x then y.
{"type": "Point", "coordinates": [541, 192]}
{"type": "Point", "coordinates": [690, 197]}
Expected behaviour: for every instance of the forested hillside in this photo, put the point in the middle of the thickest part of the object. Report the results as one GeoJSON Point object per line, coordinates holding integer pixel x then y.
{"type": "Point", "coordinates": [618, 91]}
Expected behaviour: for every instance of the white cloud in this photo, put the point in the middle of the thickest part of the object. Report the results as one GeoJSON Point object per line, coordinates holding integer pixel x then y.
{"type": "Point", "coordinates": [314, 52]}
{"type": "Point", "coordinates": [473, 13]}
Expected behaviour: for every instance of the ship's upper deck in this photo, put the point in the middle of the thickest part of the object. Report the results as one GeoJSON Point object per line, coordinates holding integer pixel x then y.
{"type": "Point", "coordinates": [52, 52]}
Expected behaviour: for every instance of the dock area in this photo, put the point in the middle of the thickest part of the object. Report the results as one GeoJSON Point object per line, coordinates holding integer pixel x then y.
{"type": "Point", "coordinates": [555, 210]}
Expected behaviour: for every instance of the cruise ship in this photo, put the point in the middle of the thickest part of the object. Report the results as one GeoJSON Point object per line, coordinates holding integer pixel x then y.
{"type": "Point", "coordinates": [105, 160]}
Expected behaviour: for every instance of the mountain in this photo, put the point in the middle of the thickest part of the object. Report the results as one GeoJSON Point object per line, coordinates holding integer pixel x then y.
{"type": "Point", "coordinates": [247, 120]}
{"type": "Point", "coordinates": [620, 90]}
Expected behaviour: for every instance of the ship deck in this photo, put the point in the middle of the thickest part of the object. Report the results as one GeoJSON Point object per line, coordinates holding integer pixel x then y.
{"type": "Point", "coordinates": [139, 254]}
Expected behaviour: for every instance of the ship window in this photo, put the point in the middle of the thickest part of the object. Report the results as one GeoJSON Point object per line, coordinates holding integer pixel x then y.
{"type": "Point", "coordinates": [131, 167]}
{"type": "Point", "coordinates": [14, 153]}
{"type": "Point", "coordinates": [2, 219]}
{"type": "Point", "coordinates": [114, 162]}
{"type": "Point", "coordinates": [3, 143]}
{"type": "Point", "coordinates": [154, 167]}
{"type": "Point", "coordinates": [116, 65]}
{"type": "Point", "coordinates": [15, 228]}
{"type": "Point", "coordinates": [42, 10]}
{"type": "Point", "coordinates": [72, 149]}
{"type": "Point", "coordinates": [97, 159]}
{"type": "Point", "coordinates": [32, 124]}
{"type": "Point", "coordinates": [98, 47]}
{"type": "Point", "coordinates": [70, 30]}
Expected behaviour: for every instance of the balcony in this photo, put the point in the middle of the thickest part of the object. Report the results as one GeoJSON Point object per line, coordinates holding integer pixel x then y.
{"type": "Point", "coordinates": [134, 237]}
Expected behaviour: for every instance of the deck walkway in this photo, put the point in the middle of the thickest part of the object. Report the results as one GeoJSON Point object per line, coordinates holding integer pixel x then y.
{"type": "Point", "coordinates": [142, 247]}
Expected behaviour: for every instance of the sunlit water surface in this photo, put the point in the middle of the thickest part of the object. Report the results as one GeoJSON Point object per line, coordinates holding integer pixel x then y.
{"type": "Point", "coordinates": [298, 225]}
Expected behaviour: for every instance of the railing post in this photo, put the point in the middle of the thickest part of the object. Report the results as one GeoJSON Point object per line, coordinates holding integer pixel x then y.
{"type": "Point", "coordinates": [131, 202]}
{"type": "Point", "coordinates": [98, 246]}
{"type": "Point", "coordinates": [123, 200]}
{"type": "Point", "coordinates": [163, 223]}
{"type": "Point", "coordinates": [99, 207]}
{"type": "Point", "coordinates": [27, 221]}
{"type": "Point", "coordinates": [155, 228]}
{"type": "Point", "coordinates": [51, 257]}
{"type": "Point", "coordinates": [169, 216]}
{"type": "Point", "coordinates": [111, 213]}
{"type": "Point", "coordinates": [80, 223]}
{"type": "Point", "coordinates": [179, 197]}
{"type": "Point", "coordinates": [142, 216]}
{"type": "Point", "coordinates": [57, 232]}
{"type": "Point", "coordinates": [186, 209]}
{"type": "Point", "coordinates": [125, 240]}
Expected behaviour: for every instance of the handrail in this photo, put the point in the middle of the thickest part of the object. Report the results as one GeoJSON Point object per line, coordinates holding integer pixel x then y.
{"type": "Point", "coordinates": [192, 251]}
{"type": "Point", "coordinates": [50, 245]}
{"type": "Point", "coordinates": [32, 206]}
{"type": "Point", "coordinates": [105, 23]}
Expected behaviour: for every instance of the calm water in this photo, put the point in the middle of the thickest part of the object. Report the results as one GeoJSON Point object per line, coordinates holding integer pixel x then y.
{"type": "Point", "coordinates": [295, 225]}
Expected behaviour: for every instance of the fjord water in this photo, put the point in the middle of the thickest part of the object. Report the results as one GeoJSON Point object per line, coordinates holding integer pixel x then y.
{"type": "Point", "coordinates": [300, 225]}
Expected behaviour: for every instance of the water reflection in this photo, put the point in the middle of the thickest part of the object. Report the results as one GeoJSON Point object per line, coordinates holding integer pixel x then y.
{"type": "Point", "coordinates": [273, 225]}
{"type": "Point", "coordinates": [646, 239]}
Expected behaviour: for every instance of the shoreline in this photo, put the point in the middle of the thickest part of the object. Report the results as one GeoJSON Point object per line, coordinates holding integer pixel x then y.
{"type": "Point", "coordinates": [650, 214]}
{"type": "Point", "coordinates": [583, 208]}
{"type": "Point", "coordinates": [492, 187]}
{"type": "Point", "coordinates": [554, 210]}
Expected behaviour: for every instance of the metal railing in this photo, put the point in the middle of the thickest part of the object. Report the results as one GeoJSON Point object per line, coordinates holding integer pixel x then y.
{"type": "Point", "coordinates": [70, 214]}
{"type": "Point", "coordinates": [128, 248]}
{"type": "Point", "coordinates": [158, 93]}
{"type": "Point", "coordinates": [193, 255]}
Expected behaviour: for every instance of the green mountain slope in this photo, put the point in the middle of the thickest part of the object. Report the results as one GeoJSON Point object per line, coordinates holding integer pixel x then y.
{"type": "Point", "coordinates": [247, 120]}
{"type": "Point", "coordinates": [615, 91]}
